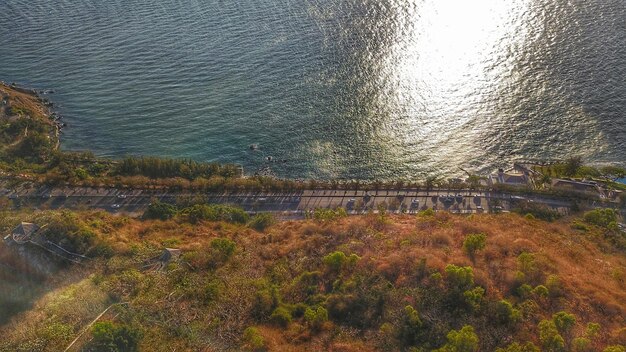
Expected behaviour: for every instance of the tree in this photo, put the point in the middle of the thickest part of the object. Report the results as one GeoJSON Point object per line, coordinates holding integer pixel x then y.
{"type": "Point", "coordinates": [459, 278]}
{"type": "Point", "coordinates": [464, 340]}
{"type": "Point", "coordinates": [474, 297]}
{"type": "Point", "coordinates": [564, 321]}
{"type": "Point", "coordinates": [338, 260]}
{"type": "Point", "coordinates": [506, 314]}
{"type": "Point", "coordinates": [316, 317]}
{"type": "Point", "coordinates": [526, 264]}
{"type": "Point", "coordinates": [550, 338]}
{"type": "Point", "coordinates": [474, 243]}
{"type": "Point", "coordinates": [581, 344]}
{"type": "Point", "coordinates": [411, 326]}
{"type": "Point", "coordinates": [572, 165]}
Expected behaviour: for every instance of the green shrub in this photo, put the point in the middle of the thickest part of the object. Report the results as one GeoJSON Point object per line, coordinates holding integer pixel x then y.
{"type": "Point", "coordinates": [266, 300]}
{"type": "Point", "coordinates": [474, 243]}
{"type": "Point", "coordinates": [506, 314]}
{"type": "Point", "coordinates": [224, 248]}
{"type": "Point", "coordinates": [253, 340]}
{"type": "Point", "coordinates": [307, 283]}
{"type": "Point", "coordinates": [581, 344]}
{"type": "Point", "coordinates": [110, 337]}
{"type": "Point", "coordinates": [338, 260]}
{"type": "Point", "coordinates": [524, 291]}
{"type": "Point", "coordinates": [316, 317]}
{"type": "Point", "coordinates": [550, 338]}
{"type": "Point", "coordinates": [281, 316]}
{"type": "Point", "coordinates": [600, 217]}
{"type": "Point", "coordinates": [323, 214]}
{"type": "Point", "coordinates": [538, 211]}
{"type": "Point", "coordinates": [577, 225]}
{"type": "Point", "coordinates": [459, 278]}
{"type": "Point", "coordinates": [541, 291]}
{"type": "Point", "coordinates": [553, 284]}
{"type": "Point", "coordinates": [563, 321]}
{"type": "Point", "coordinates": [527, 264]}
{"type": "Point", "coordinates": [592, 331]}
{"type": "Point", "coordinates": [426, 213]}
{"type": "Point", "coordinates": [160, 210]}
{"type": "Point", "coordinates": [464, 340]}
{"type": "Point", "coordinates": [615, 348]}
{"type": "Point", "coordinates": [66, 230]}
{"type": "Point", "coordinates": [262, 221]}
{"type": "Point", "coordinates": [411, 326]}
{"type": "Point", "coordinates": [474, 297]}
{"type": "Point", "coordinates": [163, 168]}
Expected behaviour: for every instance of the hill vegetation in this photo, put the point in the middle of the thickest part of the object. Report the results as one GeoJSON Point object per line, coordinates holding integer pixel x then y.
{"type": "Point", "coordinates": [431, 282]}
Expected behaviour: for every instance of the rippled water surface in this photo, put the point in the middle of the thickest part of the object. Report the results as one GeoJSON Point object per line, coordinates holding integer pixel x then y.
{"type": "Point", "coordinates": [337, 88]}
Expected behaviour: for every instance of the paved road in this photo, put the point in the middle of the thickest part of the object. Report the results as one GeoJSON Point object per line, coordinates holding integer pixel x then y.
{"type": "Point", "coordinates": [289, 204]}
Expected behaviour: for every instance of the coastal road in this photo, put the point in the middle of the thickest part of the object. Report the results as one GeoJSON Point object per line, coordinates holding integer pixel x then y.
{"type": "Point", "coordinates": [286, 204]}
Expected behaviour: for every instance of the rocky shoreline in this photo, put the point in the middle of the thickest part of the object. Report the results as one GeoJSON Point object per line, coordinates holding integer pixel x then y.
{"type": "Point", "coordinates": [45, 104]}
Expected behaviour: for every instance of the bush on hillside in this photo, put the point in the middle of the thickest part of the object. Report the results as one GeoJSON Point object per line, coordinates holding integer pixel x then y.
{"type": "Point", "coordinates": [262, 221]}
{"type": "Point", "coordinates": [506, 314]}
{"type": "Point", "coordinates": [474, 243]}
{"type": "Point", "coordinates": [316, 317]}
{"type": "Point", "coordinates": [551, 340]}
{"type": "Point", "coordinates": [601, 217]}
{"type": "Point", "coordinates": [538, 211]}
{"type": "Point", "coordinates": [281, 316]}
{"type": "Point", "coordinates": [338, 260]}
{"type": "Point", "coordinates": [411, 327]}
{"type": "Point", "coordinates": [464, 340]}
{"type": "Point", "coordinates": [110, 337]}
{"type": "Point", "coordinates": [253, 341]}
{"type": "Point", "coordinates": [160, 210]}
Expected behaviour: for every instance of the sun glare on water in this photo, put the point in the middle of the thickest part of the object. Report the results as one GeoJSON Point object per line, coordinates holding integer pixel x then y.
{"type": "Point", "coordinates": [448, 53]}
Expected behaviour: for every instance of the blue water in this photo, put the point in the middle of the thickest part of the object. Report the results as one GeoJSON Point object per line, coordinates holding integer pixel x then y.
{"type": "Point", "coordinates": [337, 88]}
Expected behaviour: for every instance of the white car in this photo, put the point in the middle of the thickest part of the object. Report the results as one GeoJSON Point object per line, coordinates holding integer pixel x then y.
{"type": "Point", "coordinates": [115, 206]}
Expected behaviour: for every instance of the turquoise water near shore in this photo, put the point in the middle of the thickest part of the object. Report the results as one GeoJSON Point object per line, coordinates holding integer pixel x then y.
{"type": "Point", "coordinates": [334, 88]}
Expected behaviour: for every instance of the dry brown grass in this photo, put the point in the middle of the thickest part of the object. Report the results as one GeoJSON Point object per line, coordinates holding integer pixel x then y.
{"type": "Point", "coordinates": [592, 287]}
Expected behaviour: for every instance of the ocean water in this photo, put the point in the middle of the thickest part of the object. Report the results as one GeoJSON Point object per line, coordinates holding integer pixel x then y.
{"type": "Point", "coordinates": [329, 88]}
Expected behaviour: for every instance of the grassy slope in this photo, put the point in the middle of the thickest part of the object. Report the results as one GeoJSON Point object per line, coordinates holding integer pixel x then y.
{"type": "Point", "coordinates": [206, 303]}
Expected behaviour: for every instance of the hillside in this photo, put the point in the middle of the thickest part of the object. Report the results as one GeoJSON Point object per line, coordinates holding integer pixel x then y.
{"type": "Point", "coordinates": [364, 283]}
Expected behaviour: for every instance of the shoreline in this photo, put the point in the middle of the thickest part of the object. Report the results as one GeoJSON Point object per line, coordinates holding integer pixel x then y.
{"type": "Point", "coordinates": [146, 172]}
{"type": "Point", "coordinates": [46, 107]}
{"type": "Point", "coordinates": [54, 118]}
